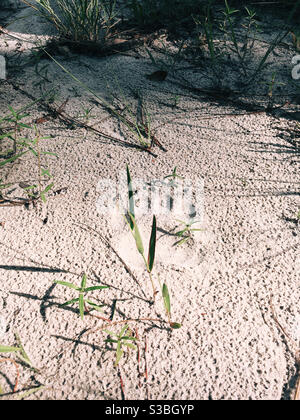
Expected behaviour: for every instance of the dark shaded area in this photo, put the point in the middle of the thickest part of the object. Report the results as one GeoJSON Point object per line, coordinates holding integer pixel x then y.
{"type": "Point", "coordinates": [289, 388]}
{"type": "Point", "coordinates": [32, 269]}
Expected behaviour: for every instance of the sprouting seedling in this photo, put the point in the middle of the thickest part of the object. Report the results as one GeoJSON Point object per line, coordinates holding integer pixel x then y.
{"type": "Point", "coordinates": [175, 101]}
{"type": "Point", "coordinates": [6, 350]}
{"type": "Point", "coordinates": [22, 146]}
{"type": "Point", "coordinates": [167, 304]}
{"type": "Point", "coordinates": [186, 233]}
{"type": "Point", "coordinates": [15, 125]}
{"type": "Point", "coordinates": [174, 175]}
{"type": "Point", "coordinates": [86, 114]}
{"type": "Point", "coordinates": [121, 340]}
{"type": "Point", "coordinates": [82, 290]}
{"type": "Point", "coordinates": [131, 220]}
{"type": "Point", "coordinates": [21, 356]}
{"type": "Point", "coordinates": [19, 351]}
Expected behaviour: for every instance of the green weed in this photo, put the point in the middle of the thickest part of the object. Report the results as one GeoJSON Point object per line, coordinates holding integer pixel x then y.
{"type": "Point", "coordinates": [22, 146]}
{"type": "Point", "coordinates": [131, 220]}
{"type": "Point", "coordinates": [167, 304]}
{"type": "Point", "coordinates": [173, 176]}
{"type": "Point", "coordinates": [124, 338]}
{"type": "Point", "coordinates": [186, 233]}
{"type": "Point", "coordinates": [79, 20]}
{"type": "Point", "coordinates": [82, 300]}
{"type": "Point", "coordinates": [21, 357]}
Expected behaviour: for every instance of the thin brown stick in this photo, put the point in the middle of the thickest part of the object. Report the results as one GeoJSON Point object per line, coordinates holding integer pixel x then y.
{"type": "Point", "coordinates": [146, 368]}
{"type": "Point", "coordinates": [138, 356]}
{"type": "Point", "coordinates": [122, 384]}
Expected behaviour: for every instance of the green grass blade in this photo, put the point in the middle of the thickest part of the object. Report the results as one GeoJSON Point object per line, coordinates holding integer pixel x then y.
{"type": "Point", "coordinates": [119, 353]}
{"type": "Point", "coordinates": [23, 355]}
{"type": "Point", "coordinates": [83, 283]}
{"type": "Point", "coordinates": [69, 285]}
{"type": "Point", "coordinates": [137, 236]}
{"type": "Point", "coordinates": [166, 296]}
{"type": "Point", "coordinates": [12, 159]}
{"type": "Point", "coordinates": [70, 302]}
{"type": "Point", "coordinates": [175, 325]}
{"type": "Point", "coordinates": [81, 305]}
{"type": "Point", "coordinates": [131, 346]}
{"type": "Point", "coordinates": [91, 289]}
{"type": "Point", "coordinates": [97, 307]}
{"type": "Point", "coordinates": [124, 329]}
{"type": "Point", "coordinates": [111, 333]}
{"type": "Point", "coordinates": [110, 340]}
{"type": "Point", "coordinates": [130, 197]}
{"type": "Point", "coordinates": [31, 392]}
{"type": "Point", "coordinates": [8, 349]}
{"type": "Point", "coordinates": [152, 245]}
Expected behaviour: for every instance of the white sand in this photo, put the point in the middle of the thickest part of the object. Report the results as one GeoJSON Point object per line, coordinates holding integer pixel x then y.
{"type": "Point", "coordinates": [230, 346]}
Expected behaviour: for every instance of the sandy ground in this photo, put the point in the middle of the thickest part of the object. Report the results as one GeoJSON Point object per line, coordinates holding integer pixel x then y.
{"type": "Point", "coordinates": [230, 286]}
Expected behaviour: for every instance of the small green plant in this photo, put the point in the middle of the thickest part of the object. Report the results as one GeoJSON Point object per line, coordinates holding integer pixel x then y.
{"type": "Point", "coordinates": [22, 146]}
{"type": "Point", "coordinates": [173, 176]}
{"type": "Point", "coordinates": [124, 338]}
{"type": "Point", "coordinates": [167, 304]}
{"type": "Point", "coordinates": [169, 63]}
{"type": "Point", "coordinates": [229, 27]}
{"type": "Point", "coordinates": [86, 114]}
{"type": "Point", "coordinates": [131, 220]}
{"type": "Point", "coordinates": [82, 290]}
{"type": "Point", "coordinates": [186, 233]}
{"type": "Point", "coordinates": [175, 100]}
{"type": "Point", "coordinates": [206, 22]}
{"type": "Point", "coordinates": [141, 130]}
{"type": "Point", "coordinates": [21, 357]}
{"type": "Point", "coordinates": [271, 88]}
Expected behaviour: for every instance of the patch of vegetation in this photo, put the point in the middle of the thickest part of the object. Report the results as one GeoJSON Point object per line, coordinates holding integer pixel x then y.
{"type": "Point", "coordinates": [79, 20]}
{"type": "Point", "coordinates": [14, 146]}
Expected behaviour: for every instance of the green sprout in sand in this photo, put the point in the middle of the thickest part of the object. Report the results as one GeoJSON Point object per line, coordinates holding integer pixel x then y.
{"type": "Point", "coordinates": [82, 290]}
{"type": "Point", "coordinates": [125, 338]}
{"type": "Point", "coordinates": [186, 233]}
{"type": "Point", "coordinates": [131, 220]}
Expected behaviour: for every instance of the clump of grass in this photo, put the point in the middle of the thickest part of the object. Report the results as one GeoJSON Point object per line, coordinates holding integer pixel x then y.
{"type": "Point", "coordinates": [82, 300]}
{"type": "Point", "coordinates": [124, 338]}
{"type": "Point", "coordinates": [231, 34]}
{"type": "Point", "coordinates": [79, 20]}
